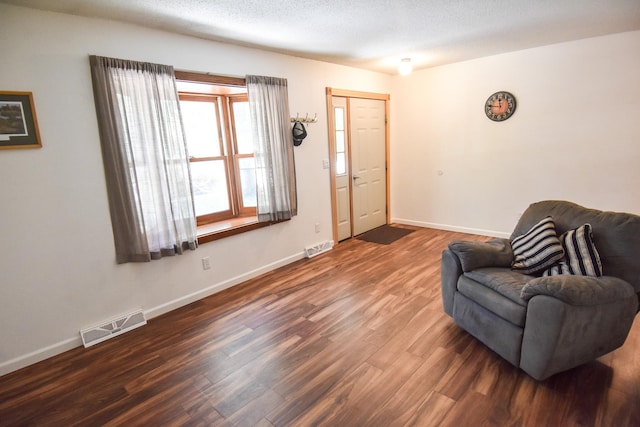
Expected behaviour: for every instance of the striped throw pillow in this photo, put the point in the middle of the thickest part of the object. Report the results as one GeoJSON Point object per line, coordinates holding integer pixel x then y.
{"type": "Point", "coordinates": [582, 257]}
{"type": "Point", "coordinates": [537, 249]}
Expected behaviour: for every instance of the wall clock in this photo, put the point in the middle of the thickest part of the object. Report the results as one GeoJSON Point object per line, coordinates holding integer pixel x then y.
{"type": "Point", "coordinates": [500, 106]}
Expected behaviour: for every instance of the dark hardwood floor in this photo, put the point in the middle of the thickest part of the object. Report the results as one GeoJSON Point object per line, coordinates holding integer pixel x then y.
{"type": "Point", "coordinates": [354, 337]}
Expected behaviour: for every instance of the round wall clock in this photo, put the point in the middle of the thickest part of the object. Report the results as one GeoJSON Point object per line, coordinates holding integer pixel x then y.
{"type": "Point", "coordinates": [500, 106]}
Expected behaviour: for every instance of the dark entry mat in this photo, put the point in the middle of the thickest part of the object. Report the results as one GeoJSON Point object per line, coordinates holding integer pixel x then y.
{"type": "Point", "coordinates": [384, 235]}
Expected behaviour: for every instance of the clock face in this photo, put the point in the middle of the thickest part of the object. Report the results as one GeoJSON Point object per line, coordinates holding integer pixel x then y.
{"type": "Point", "coordinates": [500, 106]}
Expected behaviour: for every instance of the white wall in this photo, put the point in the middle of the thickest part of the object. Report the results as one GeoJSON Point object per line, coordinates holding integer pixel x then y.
{"type": "Point", "coordinates": [57, 268]}
{"type": "Point", "coordinates": [575, 135]}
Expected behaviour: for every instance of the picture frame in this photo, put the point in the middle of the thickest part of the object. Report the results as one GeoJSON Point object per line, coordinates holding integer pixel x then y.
{"type": "Point", "coordinates": [18, 123]}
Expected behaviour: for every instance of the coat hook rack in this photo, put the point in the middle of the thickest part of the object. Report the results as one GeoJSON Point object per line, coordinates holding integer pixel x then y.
{"type": "Point", "coordinates": [305, 119]}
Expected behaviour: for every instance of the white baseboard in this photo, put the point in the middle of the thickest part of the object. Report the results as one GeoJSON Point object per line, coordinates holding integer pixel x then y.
{"type": "Point", "coordinates": [188, 299]}
{"type": "Point", "coordinates": [39, 355]}
{"type": "Point", "coordinates": [446, 227]}
{"type": "Point", "coordinates": [75, 341]}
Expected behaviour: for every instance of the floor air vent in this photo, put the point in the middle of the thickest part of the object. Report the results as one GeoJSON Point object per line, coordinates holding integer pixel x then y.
{"type": "Point", "coordinates": [318, 248]}
{"type": "Point", "coordinates": [112, 328]}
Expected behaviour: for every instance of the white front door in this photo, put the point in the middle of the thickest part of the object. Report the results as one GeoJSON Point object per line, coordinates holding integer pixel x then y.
{"type": "Point", "coordinates": [368, 164]}
{"type": "Point", "coordinates": [343, 187]}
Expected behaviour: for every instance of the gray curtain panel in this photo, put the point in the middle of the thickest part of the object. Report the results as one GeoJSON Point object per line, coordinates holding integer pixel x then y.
{"type": "Point", "coordinates": [145, 159]}
{"type": "Point", "coordinates": [273, 148]}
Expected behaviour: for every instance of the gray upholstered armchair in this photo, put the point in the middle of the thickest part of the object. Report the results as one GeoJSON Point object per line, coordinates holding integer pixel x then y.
{"type": "Point", "coordinates": [537, 321]}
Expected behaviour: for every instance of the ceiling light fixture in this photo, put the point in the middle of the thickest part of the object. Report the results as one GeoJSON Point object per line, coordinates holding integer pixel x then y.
{"type": "Point", "coordinates": [405, 67]}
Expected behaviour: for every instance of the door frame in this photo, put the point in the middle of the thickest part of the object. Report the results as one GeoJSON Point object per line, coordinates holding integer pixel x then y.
{"type": "Point", "coordinates": [331, 92]}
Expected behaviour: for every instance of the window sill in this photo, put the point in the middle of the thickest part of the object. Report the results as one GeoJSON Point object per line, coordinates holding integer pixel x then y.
{"type": "Point", "coordinates": [221, 229]}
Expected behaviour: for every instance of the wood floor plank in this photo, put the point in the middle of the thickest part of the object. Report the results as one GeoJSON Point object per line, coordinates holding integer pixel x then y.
{"type": "Point", "coordinates": [353, 387]}
{"type": "Point", "coordinates": [400, 409]}
{"type": "Point", "coordinates": [402, 341]}
{"type": "Point", "coordinates": [363, 405]}
{"type": "Point", "coordinates": [354, 337]}
{"type": "Point", "coordinates": [316, 377]}
{"type": "Point", "coordinates": [476, 409]}
{"type": "Point", "coordinates": [255, 411]}
{"type": "Point", "coordinates": [432, 411]}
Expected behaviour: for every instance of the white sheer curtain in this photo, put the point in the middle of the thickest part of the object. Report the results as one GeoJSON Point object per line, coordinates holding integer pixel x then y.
{"type": "Point", "coordinates": [273, 148]}
{"type": "Point", "coordinates": [145, 159]}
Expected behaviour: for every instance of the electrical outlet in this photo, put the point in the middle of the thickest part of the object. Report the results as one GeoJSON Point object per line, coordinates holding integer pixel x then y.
{"type": "Point", "coordinates": [206, 263]}
{"type": "Point", "coordinates": [317, 227]}
{"type": "Point", "coordinates": [325, 163]}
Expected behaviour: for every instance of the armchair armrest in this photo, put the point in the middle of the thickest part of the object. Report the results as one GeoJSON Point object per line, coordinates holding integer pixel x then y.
{"type": "Point", "coordinates": [473, 255]}
{"type": "Point", "coordinates": [578, 290]}
{"type": "Point", "coordinates": [450, 272]}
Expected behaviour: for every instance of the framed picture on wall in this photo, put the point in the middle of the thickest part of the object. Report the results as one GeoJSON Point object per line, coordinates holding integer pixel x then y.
{"type": "Point", "coordinates": [18, 123]}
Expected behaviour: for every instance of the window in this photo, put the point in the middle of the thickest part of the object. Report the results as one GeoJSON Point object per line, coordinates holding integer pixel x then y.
{"type": "Point", "coordinates": [341, 148]}
{"type": "Point", "coordinates": [215, 113]}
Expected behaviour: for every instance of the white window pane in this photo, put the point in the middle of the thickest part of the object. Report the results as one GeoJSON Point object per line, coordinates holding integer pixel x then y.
{"type": "Point", "coordinates": [340, 141]}
{"type": "Point", "coordinates": [341, 164]}
{"type": "Point", "coordinates": [339, 116]}
{"type": "Point", "coordinates": [248, 181]}
{"type": "Point", "coordinates": [210, 191]}
{"type": "Point", "coordinates": [201, 128]}
{"type": "Point", "coordinates": [243, 127]}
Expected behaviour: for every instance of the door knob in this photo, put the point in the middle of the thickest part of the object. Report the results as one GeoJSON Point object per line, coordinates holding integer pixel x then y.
{"type": "Point", "coordinates": [355, 177]}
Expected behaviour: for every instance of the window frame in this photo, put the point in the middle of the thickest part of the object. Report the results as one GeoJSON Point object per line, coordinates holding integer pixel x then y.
{"type": "Point", "coordinates": [243, 210]}
{"type": "Point", "coordinates": [225, 90]}
{"type": "Point", "coordinates": [213, 99]}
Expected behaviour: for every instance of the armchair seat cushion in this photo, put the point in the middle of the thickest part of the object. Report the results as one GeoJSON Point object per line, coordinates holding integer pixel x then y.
{"type": "Point", "coordinates": [504, 281]}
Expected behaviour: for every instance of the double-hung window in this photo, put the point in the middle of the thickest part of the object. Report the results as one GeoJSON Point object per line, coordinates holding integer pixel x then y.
{"type": "Point", "coordinates": [215, 113]}
{"type": "Point", "coordinates": [169, 158]}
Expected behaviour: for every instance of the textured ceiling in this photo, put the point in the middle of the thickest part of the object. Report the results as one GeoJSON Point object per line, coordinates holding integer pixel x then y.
{"type": "Point", "coordinates": [370, 34]}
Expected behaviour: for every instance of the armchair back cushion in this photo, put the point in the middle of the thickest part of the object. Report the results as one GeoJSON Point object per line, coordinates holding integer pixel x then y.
{"type": "Point", "coordinates": [615, 235]}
